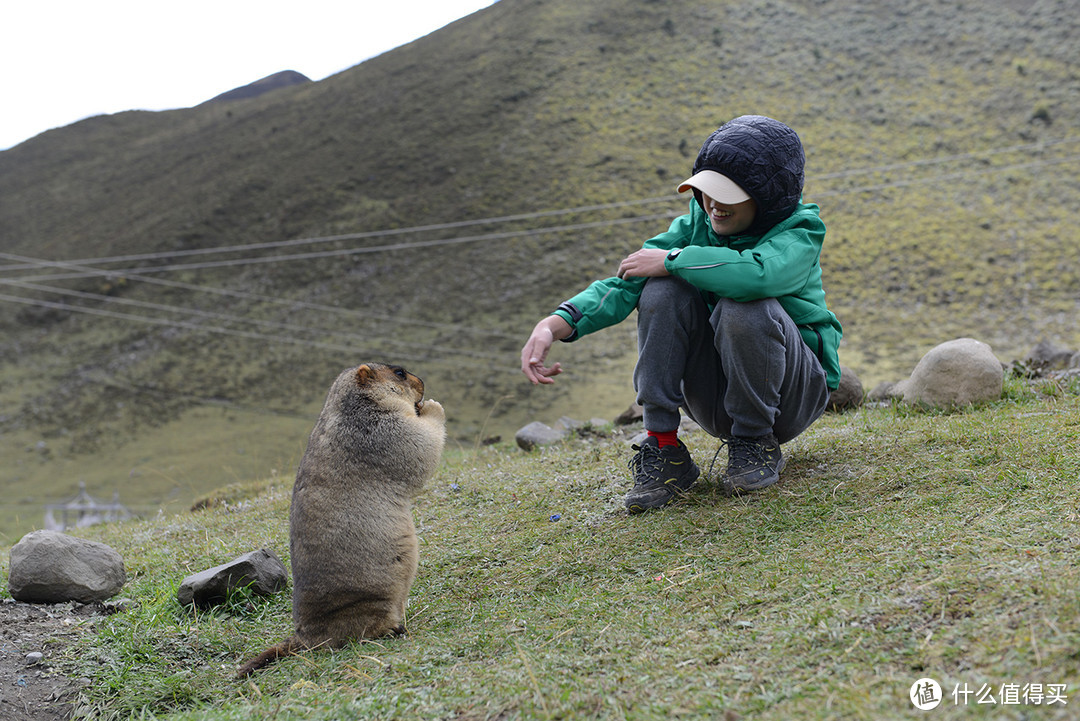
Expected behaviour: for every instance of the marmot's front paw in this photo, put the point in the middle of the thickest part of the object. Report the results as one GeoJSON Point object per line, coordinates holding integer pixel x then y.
{"type": "Point", "coordinates": [430, 408]}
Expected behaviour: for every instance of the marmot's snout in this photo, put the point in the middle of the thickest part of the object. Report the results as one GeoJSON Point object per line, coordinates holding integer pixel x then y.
{"type": "Point", "coordinates": [394, 379]}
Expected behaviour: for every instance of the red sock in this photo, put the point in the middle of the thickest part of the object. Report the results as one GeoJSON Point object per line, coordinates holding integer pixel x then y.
{"type": "Point", "coordinates": [666, 438]}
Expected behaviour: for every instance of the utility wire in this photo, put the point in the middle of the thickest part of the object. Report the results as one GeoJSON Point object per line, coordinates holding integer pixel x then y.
{"type": "Point", "coordinates": [234, 262]}
{"type": "Point", "coordinates": [359, 235]}
{"type": "Point", "coordinates": [244, 295]}
{"type": "Point", "coordinates": [946, 158]}
{"type": "Point", "coordinates": [492, 236]}
{"type": "Point", "coordinates": [500, 236]}
{"type": "Point", "coordinates": [200, 400]}
{"type": "Point", "coordinates": [546, 213]}
{"type": "Point", "coordinates": [229, 331]}
{"type": "Point", "coordinates": [947, 177]}
{"type": "Point", "coordinates": [84, 271]}
{"type": "Point", "coordinates": [217, 315]}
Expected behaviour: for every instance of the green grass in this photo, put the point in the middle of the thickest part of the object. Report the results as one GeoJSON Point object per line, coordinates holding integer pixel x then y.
{"type": "Point", "coordinates": [900, 544]}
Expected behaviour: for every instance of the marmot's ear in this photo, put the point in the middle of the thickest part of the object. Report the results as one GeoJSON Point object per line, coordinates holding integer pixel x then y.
{"type": "Point", "coordinates": [364, 374]}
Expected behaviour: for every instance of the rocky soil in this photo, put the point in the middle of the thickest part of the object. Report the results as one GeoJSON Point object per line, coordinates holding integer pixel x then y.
{"type": "Point", "coordinates": [31, 635]}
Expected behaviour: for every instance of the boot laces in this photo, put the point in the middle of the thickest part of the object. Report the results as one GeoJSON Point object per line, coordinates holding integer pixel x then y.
{"type": "Point", "coordinates": [748, 453]}
{"type": "Point", "coordinates": [647, 463]}
{"type": "Point", "coordinates": [744, 453]}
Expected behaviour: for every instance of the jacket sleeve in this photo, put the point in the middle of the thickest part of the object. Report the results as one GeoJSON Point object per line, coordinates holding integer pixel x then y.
{"type": "Point", "coordinates": [604, 303]}
{"type": "Point", "coordinates": [780, 264]}
{"type": "Point", "coordinates": [609, 301]}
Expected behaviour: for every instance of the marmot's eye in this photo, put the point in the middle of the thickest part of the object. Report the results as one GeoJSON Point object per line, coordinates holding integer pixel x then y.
{"type": "Point", "coordinates": [400, 373]}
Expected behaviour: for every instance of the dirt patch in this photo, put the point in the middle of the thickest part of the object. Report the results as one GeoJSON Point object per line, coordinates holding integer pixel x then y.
{"type": "Point", "coordinates": [33, 689]}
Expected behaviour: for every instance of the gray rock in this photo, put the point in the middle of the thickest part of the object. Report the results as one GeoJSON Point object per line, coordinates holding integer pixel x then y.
{"type": "Point", "coordinates": [537, 434]}
{"type": "Point", "coordinates": [570, 425]}
{"type": "Point", "coordinates": [566, 423]}
{"type": "Point", "coordinates": [53, 567]}
{"type": "Point", "coordinates": [849, 394]}
{"type": "Point", "coordinates": [957, 373]}
{"type": "Point", "coordinates": [262, 570]}
{"type": "Point", "coordinates": [884, 391]}
{"type": "Point", "coordinates": [633, 414]}
{"type": "Point", "coordinates": [119, 605]}
{"type": "Point", "coordinates": [1048, 356]}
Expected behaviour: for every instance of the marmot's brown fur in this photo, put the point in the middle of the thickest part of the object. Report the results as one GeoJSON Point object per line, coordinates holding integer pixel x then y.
{"type": "Point", "coordinates": [352, 538]}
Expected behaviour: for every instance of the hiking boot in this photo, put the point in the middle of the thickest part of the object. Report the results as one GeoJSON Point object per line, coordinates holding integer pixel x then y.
{"type": "Point", "coordinates": [753, 463]}
{"type": "Point", "coordinates": [660, 474]}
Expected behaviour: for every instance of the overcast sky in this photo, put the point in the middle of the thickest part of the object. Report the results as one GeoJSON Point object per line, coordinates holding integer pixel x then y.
{"type": "Point", "coordinates": [65, 60]}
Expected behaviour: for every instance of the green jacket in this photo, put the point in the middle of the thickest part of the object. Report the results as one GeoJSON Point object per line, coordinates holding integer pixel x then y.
{"type": "Point", "coordinates": [782, 263]}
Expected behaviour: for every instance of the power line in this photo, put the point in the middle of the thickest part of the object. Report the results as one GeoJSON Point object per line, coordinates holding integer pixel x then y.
{"type": "Point", "coordinates": [947, 177]}
{"type": "Point", "coordinates": [946, 158]}
{"type": "Point", "coordinates": [244, 295]}
{"type": "Point", "coordinates": [541, 214]}
{"type": "Point", "coordinates": [217, 315]}
{"type": "Point", "coordinates": [251, 335]}
{"type": "Point", "coordinates": [508, 235]}
{"type": "Point", "coordinates": [359, 235]}
{"type": "Point", "coordinates": [234, 262]}
{"type": "Point", "coordinates": [83, 271]}
{"type": "Point", "coordinates": [200, 400]}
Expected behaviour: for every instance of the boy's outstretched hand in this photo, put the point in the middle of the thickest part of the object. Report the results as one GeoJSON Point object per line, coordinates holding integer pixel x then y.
{"type": "Point", "coordinates": [534, 354]}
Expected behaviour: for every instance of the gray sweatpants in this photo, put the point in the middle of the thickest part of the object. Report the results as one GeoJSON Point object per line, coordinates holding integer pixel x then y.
{"type": "Point", "coordinates": [741, 370]}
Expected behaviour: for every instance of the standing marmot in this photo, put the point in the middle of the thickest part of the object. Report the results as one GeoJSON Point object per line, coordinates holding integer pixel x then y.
{"type": "Point", "coordinates": [352, 539]}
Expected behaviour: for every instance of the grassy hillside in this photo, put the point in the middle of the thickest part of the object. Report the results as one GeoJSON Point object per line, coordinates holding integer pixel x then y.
{"type": "Point", "coordinates": [428, 205]}
{"type": "Point", "coordinates": [899, 545]}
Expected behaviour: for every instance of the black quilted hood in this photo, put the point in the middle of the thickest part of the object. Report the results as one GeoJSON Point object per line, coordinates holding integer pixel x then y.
{"type": "Point", "coordinates": [765, 158]}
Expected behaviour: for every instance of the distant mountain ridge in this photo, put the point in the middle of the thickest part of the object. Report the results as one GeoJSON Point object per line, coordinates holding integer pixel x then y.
{"type": "Point", "coordinates": [283, 79]}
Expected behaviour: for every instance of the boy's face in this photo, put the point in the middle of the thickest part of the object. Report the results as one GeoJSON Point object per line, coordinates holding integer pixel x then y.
{"type": "Point", "coordinates": [729, 219]}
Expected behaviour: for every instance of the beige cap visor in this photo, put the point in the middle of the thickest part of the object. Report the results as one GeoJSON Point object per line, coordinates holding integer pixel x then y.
{"type": "Point", "coordinates": [719, 187]}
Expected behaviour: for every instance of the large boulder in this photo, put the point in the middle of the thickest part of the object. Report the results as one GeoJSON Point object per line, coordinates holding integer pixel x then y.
{"type": "Point", "coordinates": [53, 567]}
{"type": "Point", "coordinates": [956, 373]}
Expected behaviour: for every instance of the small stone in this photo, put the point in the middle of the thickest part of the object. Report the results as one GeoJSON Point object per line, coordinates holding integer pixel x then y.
{"type": "Point", "coordinates": [117, 605]}
{"type": "Point", "coordinates": [849, 394]}
{"type": "Point", "coordinates": [633, 414]}
{"type": "Point", "coordinates": [34, 657]}
{"type": "Point", "coordinates": [537, 434]}
{"type": "Point", "coordinates": [262, 570]}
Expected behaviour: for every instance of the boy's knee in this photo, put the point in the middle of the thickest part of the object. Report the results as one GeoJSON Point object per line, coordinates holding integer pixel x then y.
{"type": "Point", "coordinates": [665, 292]}
{"type": "Point", "coordinates": [750, 319]}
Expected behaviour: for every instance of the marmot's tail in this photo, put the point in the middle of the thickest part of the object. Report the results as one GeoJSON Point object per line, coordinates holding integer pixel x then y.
{"type": "Point", "coordinates": [286, 648]}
